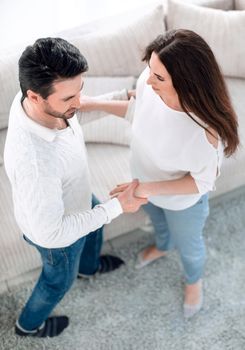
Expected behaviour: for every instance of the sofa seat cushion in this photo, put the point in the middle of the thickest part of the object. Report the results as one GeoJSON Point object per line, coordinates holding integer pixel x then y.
{"type": "Point", "coordinates": [109, 166]}
{"type": "Point", "coordinates": [16, 256]}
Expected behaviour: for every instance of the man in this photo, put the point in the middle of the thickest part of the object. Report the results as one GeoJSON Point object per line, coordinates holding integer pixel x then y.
{"type": "Point", "coordinates": [45, 159]}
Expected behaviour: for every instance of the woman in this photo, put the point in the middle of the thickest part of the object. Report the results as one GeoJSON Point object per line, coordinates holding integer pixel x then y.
{"type": "Point", "coordinates": [183, 124]}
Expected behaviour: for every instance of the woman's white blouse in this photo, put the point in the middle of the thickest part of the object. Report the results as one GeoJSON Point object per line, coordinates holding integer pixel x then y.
{"type": "Point", "coordinates": [167, 144]}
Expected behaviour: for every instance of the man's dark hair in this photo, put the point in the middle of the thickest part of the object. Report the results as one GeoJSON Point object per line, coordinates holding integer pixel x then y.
{"type": "Point", "coordinates": [46, 61]}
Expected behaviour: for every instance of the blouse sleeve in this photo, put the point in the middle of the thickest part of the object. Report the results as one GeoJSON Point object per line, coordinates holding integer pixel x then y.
{"type": "Point", "coordinates": [207, 168]}
{"type": "Point", "coordinates": [206, 176]}
{"type": "Point", "coordinates": [87, 117]}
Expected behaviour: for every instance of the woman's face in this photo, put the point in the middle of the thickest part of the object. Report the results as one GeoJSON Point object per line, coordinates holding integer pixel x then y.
{"type": "Point", "coordinates": [159, 78]}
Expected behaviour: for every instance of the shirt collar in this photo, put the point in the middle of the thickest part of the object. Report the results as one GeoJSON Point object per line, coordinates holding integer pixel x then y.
{"type": "Point", "coordinates": [28, 124]}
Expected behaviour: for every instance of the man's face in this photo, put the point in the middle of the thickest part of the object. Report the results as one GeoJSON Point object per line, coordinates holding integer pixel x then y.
{"type": "Point", "coordinates": [65, 100]}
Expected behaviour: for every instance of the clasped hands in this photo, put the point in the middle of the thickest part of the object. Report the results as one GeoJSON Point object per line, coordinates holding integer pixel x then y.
{"type": "Point", "coordinates": [131, 195]}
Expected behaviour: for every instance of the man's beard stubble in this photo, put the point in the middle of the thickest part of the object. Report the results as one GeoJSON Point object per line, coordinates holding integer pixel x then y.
{"type": "Point", "coordinates": [48, 110]}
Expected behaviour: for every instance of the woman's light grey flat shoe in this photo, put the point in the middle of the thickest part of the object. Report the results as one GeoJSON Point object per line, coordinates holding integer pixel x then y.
{"type": "Point", "coordinates": [191, 310]}
{"type": "Point", "coordinates": [143, 262]}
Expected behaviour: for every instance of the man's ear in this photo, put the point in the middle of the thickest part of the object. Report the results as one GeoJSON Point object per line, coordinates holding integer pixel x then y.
{"type": "Point", "coordinates": [33, 96]}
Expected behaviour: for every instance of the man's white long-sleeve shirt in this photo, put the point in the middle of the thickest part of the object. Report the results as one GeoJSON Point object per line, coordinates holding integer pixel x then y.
{"type": "Point", "coordinates": [49, 174]}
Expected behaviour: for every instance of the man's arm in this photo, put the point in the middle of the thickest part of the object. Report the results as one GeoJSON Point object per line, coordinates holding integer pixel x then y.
{"type": "Point", "coordinates": [49, 224]}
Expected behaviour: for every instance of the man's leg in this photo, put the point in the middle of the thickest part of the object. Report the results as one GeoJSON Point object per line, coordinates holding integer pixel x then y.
{"type": "Point", "coordinates": [91, 261]}
{"type": "Point", "coordinates": [59, 270]}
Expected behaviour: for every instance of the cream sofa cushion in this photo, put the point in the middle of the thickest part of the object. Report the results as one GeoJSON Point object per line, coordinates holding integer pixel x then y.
{"type": "Point", "coordinates": [9, 85]}
{"type": "Point", "coordinates": [109, 166]}
{"type": "Point", "coordinates": [216, 4]}
{"type": "Point", "coordinates": [110, 23]}
{"type": "Point", "coordinates": [119, 51]}
{"type": "Point", "coordinates": [115, 52]}
{"type": "Point", "coordinates": [224, 31]}
{"type": "Point", "coordinates": [109, 129]}
{"type": "Point", "coordinates": [239, 4]}
{"type": "Point", "coordinates": [233, 168]}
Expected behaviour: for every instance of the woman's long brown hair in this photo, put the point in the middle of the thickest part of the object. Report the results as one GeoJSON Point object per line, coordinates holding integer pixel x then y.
{"type": "Point", "coordinates": [198, 82]}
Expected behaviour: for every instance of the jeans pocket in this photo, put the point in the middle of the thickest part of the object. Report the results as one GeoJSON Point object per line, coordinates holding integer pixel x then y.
{"type": "Point", "coordinates": [49, 256]}
{"type": "Point", "coordinates": [46, 255]}
{"type": "Point", "coordinates": [56, 257]}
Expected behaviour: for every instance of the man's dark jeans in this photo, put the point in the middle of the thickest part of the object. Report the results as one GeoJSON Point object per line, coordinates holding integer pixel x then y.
{"type": "Point", "coordinates": [60, 268]}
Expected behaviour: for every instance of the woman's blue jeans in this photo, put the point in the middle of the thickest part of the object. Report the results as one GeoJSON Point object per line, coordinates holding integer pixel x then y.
{"type": "Point", "coordinates": [59, 270]}
{"type": "Point", "coordinates": [182, 229]}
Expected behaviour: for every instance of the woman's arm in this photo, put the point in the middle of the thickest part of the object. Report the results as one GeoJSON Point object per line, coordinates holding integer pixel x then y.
{"type": "Point", "coordinates": [185, 185]}
{"type": "Point", "coordinates": [120, 103]}
{"type": "Point", "coordinates": [89, 104]}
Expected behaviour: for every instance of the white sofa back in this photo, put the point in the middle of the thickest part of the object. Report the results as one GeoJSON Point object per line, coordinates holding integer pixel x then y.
{"type": "Point", "coordinates": [114, 47]}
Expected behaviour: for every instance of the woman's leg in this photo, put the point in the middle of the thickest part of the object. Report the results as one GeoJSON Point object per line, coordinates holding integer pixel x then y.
{"type": "Point", "coordinates": [186, 227]}
{"type": "Point", "coordinates": [161, 230]}
{"type": "Point", "coordinates": [162, 237]}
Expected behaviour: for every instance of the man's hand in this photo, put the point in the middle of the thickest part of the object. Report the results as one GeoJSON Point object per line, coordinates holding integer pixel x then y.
{"type": "Point", "coordinates": [127, 199]}
{"type": "Point", "coordinates": [141, 191]}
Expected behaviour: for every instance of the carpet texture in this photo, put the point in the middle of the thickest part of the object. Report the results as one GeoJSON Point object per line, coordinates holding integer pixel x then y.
{"type": "Point", "coordinates": [142, 309]}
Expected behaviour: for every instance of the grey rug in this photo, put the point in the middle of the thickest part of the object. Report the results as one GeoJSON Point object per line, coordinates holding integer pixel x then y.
{"type": "Point", "coordinates": [130, 309]}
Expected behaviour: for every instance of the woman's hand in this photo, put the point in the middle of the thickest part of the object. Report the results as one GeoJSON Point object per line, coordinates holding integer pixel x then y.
{"type": "Point", "coordinates": [120, 188]}
{"type": "Point", "coordinates": [129, 202]}
{"type": "Point", "coordinates": [184, 185]}
{"type": "Point", "coordinates": [131, 93]}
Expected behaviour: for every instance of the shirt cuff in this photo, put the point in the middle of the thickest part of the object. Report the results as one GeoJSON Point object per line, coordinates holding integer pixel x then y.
{"type": "Point", "coordinates": [114, 95]}
{"type": "Point", "coordinates": [121, 95]}
{"type": "Point", "coordinates": [112, 208]}
{"type": "Point", "coordinates": [129, 116]}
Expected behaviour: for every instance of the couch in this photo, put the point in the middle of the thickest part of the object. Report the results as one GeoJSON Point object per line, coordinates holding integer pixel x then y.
{"type": "Point", "coordinates": [113, 48]}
